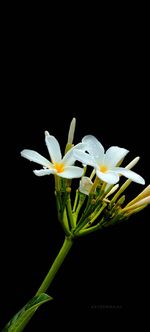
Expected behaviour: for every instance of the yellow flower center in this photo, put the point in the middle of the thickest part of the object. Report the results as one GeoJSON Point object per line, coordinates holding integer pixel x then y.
{"type": "Point", "coordinates": [59, 167]}
{"type": "Point", "coordinates": [103, 168]}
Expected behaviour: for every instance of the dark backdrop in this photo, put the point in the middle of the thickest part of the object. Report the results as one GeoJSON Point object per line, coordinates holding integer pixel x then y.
{"type": "Point", "coordinates": [52, 75]}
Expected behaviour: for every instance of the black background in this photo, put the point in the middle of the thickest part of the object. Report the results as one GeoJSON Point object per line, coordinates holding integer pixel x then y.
{"type": "Point", "coordinates": [55, 70]}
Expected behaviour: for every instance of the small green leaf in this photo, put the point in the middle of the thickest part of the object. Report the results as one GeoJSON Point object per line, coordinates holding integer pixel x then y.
{"type": "Point", "coordinates": [20, 320]}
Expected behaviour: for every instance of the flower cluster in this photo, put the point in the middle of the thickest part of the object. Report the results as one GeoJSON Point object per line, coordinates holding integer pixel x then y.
{"type": "Point", "coordinates": [92, 207]}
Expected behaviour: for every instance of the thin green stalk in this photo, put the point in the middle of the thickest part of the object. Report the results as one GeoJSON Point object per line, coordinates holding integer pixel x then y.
{"type": "Point", "coordinates": [70, 214]}
{"type": "Point", "coordinates": [80, 203]}
{"type": "Point", "coordinates": [92, 174]}
{"type": "Point", "coordinates": [96, 215]}
{"type": "Point", "coordinates": [65, 223]}
{"type": "Point", "coordinates": [88, 221]}
{"type": "Point", "coordinates": [76, 200]}
{"type": "Point", "coordinates": [120, 191]}
{"type": "Point", "coordinates": [96, 181]}
{"type": "Point", "coordinates": [57, 183]}
{"type": "Point", "coordinates": [89, 230]}
{"type": "Point", "coordinates": [56, 265]}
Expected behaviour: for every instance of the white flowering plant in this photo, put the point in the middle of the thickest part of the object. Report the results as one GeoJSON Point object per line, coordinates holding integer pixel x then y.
{"type": "Point", "coordinates": [97, 202]}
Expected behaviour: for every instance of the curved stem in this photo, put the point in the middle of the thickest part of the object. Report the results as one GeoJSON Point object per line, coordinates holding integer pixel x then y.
{"type": "Point", "coordinates": [56, 265]}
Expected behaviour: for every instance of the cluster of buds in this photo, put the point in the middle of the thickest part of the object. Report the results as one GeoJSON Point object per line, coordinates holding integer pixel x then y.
{"type": "Point", "coordinates": [96, 205]}
{"type": "Point", "coordinates": [98, 200]}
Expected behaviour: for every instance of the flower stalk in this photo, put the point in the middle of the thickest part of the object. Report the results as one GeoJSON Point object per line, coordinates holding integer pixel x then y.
{"type": "Point", "coordinates": [56, 265]}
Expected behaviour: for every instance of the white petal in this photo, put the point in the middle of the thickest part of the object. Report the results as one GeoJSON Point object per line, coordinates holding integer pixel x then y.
{"type": "Point", "coordinates": [53, 148]}
{"type": "Point", "coordinates": [113, 155]}
{"type": "Point", "coordinates": [69, 157]}
{"type": "Point", "coordinates": [94, 147]}
{"type": "Point", "coordinates": [71, 172]}
{"type": "Point", "coordinates": [80, 146]}
{"type": "Point", "coordinates": [35, 157]}
{"type": "Point", "coordinates": [43, 172]}
{"type": "Point", "coordinates": [108, 177]}
{"type": "Point", "coordinates": [129, 174]}
{"type": "Point", "coordinates": [84, 158]}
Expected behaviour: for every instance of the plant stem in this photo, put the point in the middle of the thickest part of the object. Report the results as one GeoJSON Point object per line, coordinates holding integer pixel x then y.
{"type": "Point", "coordinates": [70, 214]}
{"type": "Point", "coordinates": [56, 265]}
{"type": "Point", "coordinates": [76, 200]}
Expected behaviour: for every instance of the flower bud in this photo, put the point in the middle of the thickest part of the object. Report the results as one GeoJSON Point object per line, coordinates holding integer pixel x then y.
{"type": "Point", "coordinates": [71, 131]}
{"type": "Point", "coordinates": [132, 163]}
{"type": "Point", "coordinates": [85, 185]}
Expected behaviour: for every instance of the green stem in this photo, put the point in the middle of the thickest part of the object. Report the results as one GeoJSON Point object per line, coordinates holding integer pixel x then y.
{"type": "Point", "coordinates": [88, 230]}
{"type": "Point", "coordinates": [80, 203]}
{"type": "Point", "coordinates": [96, 215]}
{"type": "Point", "coordinates": [94, 185]}
{"type": "Point", "coordinates": [65, 223]}
{"type": "Point", "coordinates": [87, 221]}
{"type": "Point", "coordinates": [120, 191]}
{"type": "Point", "coordinates": [56, 265]}
{"type": "Point", "coordinates": [76, 200]}
{"type": "Point", "coordinates": [70, 214]}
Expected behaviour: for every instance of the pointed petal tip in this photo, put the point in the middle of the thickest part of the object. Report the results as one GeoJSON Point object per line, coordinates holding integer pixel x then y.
{"type": "Point", "coordinates": [47, 133]}
{"type": "Point", "coordinates": [139, 179]}
{"type": "Point", "coordinates": [130, 175]}
{"type": "Point", "coordinates": [142, 181]}
{"type": "Point", "coordinates": [42, 172]}
{"type": "Point", "coordinates": [24, 153]}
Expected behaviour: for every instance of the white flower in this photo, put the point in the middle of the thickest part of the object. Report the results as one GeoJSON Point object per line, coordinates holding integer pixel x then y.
{"type": "Point", "coordinates": [58, 165]}
{"type": "Point", "coordinates": [105, 163]}
{"type": "Point", "coordinates": [85, 185]}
